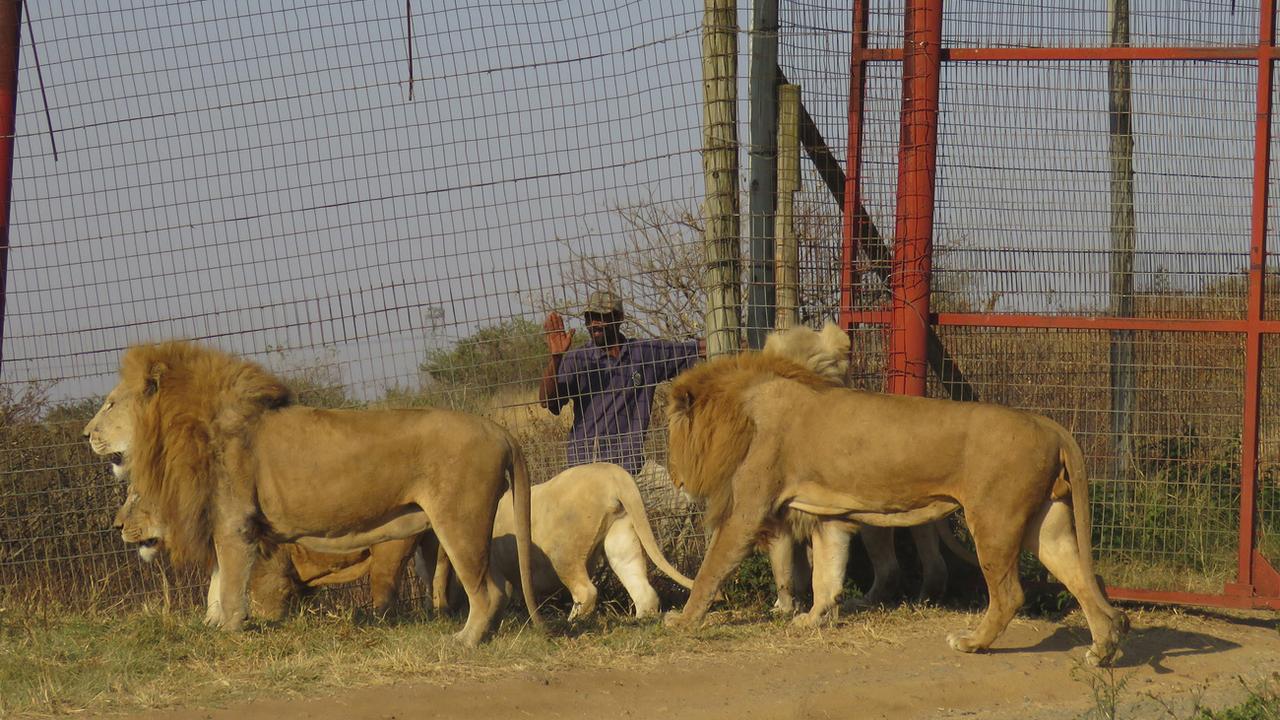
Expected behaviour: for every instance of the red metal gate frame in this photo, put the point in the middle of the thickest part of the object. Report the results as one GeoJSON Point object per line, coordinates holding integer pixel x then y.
{"type": "Point", "coordinates": [10, 42]}
{"type": "Point", "coordinates": [1257, 582]}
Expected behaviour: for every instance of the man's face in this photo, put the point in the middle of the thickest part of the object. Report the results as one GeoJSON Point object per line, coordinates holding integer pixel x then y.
{"type": "Point", "coordinates": [605, 330]}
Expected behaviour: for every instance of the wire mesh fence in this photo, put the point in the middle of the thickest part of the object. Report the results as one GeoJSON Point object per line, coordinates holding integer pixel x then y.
{"type": "Point", "coordinates": [381, 206]}
{"type": "Point", "coordinates": [384, 206]}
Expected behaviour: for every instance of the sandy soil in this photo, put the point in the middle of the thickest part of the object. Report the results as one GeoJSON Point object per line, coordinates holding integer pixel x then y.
{"type": "Point", "coordinates": [1171, 660]}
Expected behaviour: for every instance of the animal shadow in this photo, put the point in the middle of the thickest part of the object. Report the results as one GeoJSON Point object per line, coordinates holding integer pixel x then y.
{"type": "Point", "coordinates": [1141, 646]}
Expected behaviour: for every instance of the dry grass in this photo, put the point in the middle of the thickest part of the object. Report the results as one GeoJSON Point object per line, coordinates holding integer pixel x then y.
{"type": "Point", "coordinates": [56, 663]}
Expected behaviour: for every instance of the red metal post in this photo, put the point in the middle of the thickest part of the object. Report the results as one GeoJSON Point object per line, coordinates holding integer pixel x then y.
{"type": "Point", "coordinates": [1250, 564]}
{"type": "Point", "coordinates": [854, 227]}
{"type": "Point", "coordinates": [917, 159]}
{"type": "Point", "coordinates": [10, 41]}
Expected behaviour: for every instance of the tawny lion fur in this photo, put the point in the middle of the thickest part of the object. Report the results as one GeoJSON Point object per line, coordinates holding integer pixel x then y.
{"type": "Point", "coordinates": [281, 575]}
{"type": "Point", "coordinates": [826, 353]}
{"type": "Point", "coordinates": [758, 435]}
{"type": "Point", "coordinates": [234, 469]}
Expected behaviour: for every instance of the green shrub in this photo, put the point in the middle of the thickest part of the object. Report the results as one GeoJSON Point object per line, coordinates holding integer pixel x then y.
{"type": "Point", "coordinates": [510, 353]}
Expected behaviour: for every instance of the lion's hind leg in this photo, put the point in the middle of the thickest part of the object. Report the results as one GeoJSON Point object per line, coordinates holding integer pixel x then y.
{"type": "Point", "coordinates": [932, 565]}
{"type": "Point", "coordinates": [576, 577]}
{"type": "Point", "coordinates": [998, 541]}
{"type": "Point", "coordinates": [886, 585]}
{"type": "Point", "coordinates": [466, 543]}
{"type": "Point", "coordinates": [626, 557]}
{"type": "Point", "coordinates": [387, 561]}
{"type": "Point", "coordinates": [1052, 538]}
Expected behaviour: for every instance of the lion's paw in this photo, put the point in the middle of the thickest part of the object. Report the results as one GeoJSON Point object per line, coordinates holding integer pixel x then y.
{"type": "Point", "coordinates": [213, 616]}
{"type": "Point", "coordinates": [814, 620]}
{"type": "Point", "coordinates": [674, 619]}
{"type": "Point", "coordinates": [581, 610]}
{"type": "Point", "coordinates": [232, 622]}
{"type": "Point", "coordinates": [645, 610]}
{"type": "Point", "coordinates": [784, 608]}
{"type": "Point", "coordinates": [1101, 654]}
{"type": "Point", "coordinates": [963, 642]}
{"type": "Point", "coordinates": [468, 638]}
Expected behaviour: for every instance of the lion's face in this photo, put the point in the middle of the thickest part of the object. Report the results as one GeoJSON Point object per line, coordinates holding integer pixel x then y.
{"type": "Point", "coordinates": [140, 525]}
{"type": "Point", "coordinates": [110, 432]}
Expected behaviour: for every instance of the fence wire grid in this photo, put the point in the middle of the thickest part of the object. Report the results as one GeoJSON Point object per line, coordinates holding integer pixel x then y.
{"type": "Point", "coordinates": [384, 206]}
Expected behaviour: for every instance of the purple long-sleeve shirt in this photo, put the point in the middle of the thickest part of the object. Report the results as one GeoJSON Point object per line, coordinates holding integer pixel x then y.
{"type": "Point", "coordinates": [613, 398]}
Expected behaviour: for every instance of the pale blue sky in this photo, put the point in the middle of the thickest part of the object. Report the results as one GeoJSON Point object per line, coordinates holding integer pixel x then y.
{"type": "Point", "coordinates": [255, 173]}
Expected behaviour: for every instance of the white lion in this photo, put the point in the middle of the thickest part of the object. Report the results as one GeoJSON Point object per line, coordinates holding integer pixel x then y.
{"type": "Point", "coordinates": [576, 517]}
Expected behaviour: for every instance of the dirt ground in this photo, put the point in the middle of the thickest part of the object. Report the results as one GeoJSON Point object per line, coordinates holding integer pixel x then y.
{"type": "Point", "coordinates": [1171, 660]}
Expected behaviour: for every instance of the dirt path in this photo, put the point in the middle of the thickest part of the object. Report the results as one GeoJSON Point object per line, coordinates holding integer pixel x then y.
{"type": "Point", "coordinates": [1034, 674]}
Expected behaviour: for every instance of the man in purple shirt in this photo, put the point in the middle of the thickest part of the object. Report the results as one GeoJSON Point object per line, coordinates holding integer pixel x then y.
{"type": "Point", "coordinates": [611, 382]}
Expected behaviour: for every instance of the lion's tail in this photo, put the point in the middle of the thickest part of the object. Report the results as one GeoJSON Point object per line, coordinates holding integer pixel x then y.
{"type": "Point", "coordinates": [633, 504]}
{"type": "Point", "coordinates": [524, 543]}
{"type": "Point", "coordinates": [1078, 484]}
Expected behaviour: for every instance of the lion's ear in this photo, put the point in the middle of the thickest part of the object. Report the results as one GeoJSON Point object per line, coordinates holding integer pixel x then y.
{"type": "Point", "coordinates": [837, 340]}
{"type": "Point", "coordinates": [154, 373]}
{"type": "Point", "coordinates": [681, 400]}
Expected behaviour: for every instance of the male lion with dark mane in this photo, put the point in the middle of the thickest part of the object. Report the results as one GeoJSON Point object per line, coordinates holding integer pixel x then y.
{"type": "Point", "coordinates": [234, 469]}
{"type": "Point", "coordinates": [759, 435]}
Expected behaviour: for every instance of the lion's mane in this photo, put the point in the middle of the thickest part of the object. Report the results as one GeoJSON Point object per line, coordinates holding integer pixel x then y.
{"type": "Point", "coordinates": [710, 429]}
{"type": "Point", "coordinates": [196, 411]}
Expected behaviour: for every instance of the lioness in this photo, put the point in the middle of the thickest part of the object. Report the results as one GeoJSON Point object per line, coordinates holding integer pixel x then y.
{"type": "Point", "coordinates": [233, 466]}
{"type": "Point", "coordinates": [577, 516]}
{"type": "Point", "coordinates": [757, 435]}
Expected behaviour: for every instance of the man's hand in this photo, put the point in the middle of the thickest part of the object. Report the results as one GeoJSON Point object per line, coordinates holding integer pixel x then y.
{"type": "Point", "coordinates": [558, 341]}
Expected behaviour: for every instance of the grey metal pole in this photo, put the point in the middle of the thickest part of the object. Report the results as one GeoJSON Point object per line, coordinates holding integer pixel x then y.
{"type": "Point", "coordinates": [762, 190]}
{"type": "Point", "coordinates": [721, 208]}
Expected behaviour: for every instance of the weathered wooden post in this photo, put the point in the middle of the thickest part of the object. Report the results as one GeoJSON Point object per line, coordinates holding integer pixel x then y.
{"type": "Point", "coordinates": [787, 251]}
{"type": "Point", "coordinates": [1123, 371]}
{"type": "Point", "coordinates": [721, 208]}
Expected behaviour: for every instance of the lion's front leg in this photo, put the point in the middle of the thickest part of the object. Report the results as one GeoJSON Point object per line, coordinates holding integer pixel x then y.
{"type": "Point", "coordinates": [729, 544]}
{"type": "Point", "coordinates": [213, 599]}
{"type": "Point", "coordinates": [235, 557]}
{"type": "Point", "coordinates": [830, 557]}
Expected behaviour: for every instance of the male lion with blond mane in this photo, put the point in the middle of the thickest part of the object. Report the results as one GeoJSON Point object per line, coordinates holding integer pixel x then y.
{"type": "Point", "coordinates": [826, 353]}
{"type": "Point", "coordinates": [759, 435]}
{"type": "Point", "coordinates": [234, 469]}
{"type": "Point", "coordinates": [585, 512]}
